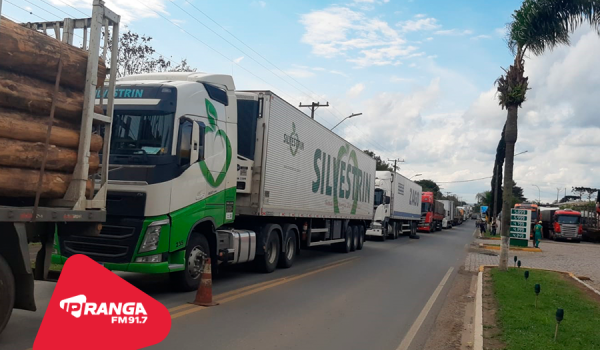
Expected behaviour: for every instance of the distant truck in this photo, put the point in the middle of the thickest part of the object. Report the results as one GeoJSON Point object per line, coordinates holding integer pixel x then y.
{"type": "Point", "coordinates": [461, 215]}
{"type": "Point", "coordinates": [449, 214]}
{"type": "Point", "coordinates": [432, 213]}
{"type": "Point", "coordinates": [547, 217]}
{"type": "Point", "coordinates": [397, 206]}
{"type": "Point", "coordinates": [566, 224]}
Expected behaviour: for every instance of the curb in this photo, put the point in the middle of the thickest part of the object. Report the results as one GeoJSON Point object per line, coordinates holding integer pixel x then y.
{"type": "Point", "coordinates": [495, 247]}
{"type": "Point", "coordinates": [478, 331]}
{"type": "Point", "coordinates": [478, 341]}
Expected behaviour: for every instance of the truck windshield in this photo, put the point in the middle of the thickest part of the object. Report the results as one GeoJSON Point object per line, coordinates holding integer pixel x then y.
{"type": "Point", "coordinates": [378, 200]}
{"type": "Point", "coordinates": [425, 207]}
{"type": "Point", "coordinates": [142, 133]}
{"type": "Point", "coordinates": [568, 219]}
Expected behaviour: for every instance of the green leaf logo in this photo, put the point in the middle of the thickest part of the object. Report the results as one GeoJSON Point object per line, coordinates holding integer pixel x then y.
{"type": "Point", "coordinates": [212, 120]}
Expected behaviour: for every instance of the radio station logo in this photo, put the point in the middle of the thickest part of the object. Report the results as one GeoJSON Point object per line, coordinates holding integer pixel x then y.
{"type": "Point", "coordinates": [89, 300]}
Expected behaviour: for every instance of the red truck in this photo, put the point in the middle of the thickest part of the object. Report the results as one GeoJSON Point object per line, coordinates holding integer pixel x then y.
{"type": "Point", "coordinates": [432, 213]}
{"type": "Point", "coordinates": [566, 224]}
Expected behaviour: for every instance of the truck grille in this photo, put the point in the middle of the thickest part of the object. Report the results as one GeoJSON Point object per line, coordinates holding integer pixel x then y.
{"type": "Point", "coordinates": [569, 231]}
{"type": "Point", "coordinates": [116, 242]}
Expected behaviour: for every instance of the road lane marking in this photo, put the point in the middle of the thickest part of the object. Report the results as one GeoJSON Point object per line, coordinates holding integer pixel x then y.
{"type": "Point", "coordinates": [414, 329]}
{"type": "Point", "coordinates": [242, 292]}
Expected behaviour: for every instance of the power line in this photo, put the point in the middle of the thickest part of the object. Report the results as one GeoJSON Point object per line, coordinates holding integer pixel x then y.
{"type": "Point", "coordinates": [340, 116]}
{"type": "Point", "coordinates": [210, 47]}
{"type": "Point", "coordinates": [30, 12]}
{"type": "Point", "coordinates": [83, 13]}
{"type": "Point", "coordinates": [471, 180]}
{"type": "Point", "coordinates": [43, 9]}
{"type": "Point", "coordinates": [49, 4]}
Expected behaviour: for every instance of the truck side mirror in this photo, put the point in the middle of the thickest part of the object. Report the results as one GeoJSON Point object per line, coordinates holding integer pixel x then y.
{"type": "Point", "coordinates": [387, 199]}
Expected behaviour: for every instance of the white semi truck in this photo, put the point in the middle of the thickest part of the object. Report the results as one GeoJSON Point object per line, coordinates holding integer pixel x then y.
{"type": "Point", "coordinates": [397, 206]}
{"type": "Point", "coordinates": [450, 213]}
{"type": "Point", "coordinates": [199, 170]}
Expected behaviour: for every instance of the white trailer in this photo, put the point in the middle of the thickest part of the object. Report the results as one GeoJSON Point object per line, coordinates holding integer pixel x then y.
{"type": "Point", "coordinates": [247, 177]}
{"type": "Point", "coordinates": [449, 216]}
{"type": "Point", "coordinates": [397, 206]}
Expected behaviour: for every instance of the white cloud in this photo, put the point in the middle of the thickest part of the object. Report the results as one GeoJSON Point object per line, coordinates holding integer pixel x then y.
{"type": "Point", "coordinates": [338, 31]}
{"type": "Point", "coordinates": [259, 3]}
{"type": "Point", "coordinates": [500, 31]}
{"type": "Point", "coordinates": [429, 39]}
{"type": "Point", "coordinates": [454, 32]}
{"type": "Point", "coordinates": [419, 24]}
{"type": "Point", "coordinates": [396, 79]}
{"type": "Point", "coordinates": [482, 36]}
{"type": "Point", "coordinates": [299, 73]}
{"type": "Point", "coordinates": [319, 69]}
{"type": "Point", "coordinates": [339, 73]}
{"type": "Point", "coordinates": [238, 60]}
{"type": "Point", "coordinates": [356, 90]}
{"type": "Point", "coordinates": [129, 11]}
{"type": "Point", "coordinates": [420, 15]}
{"type": "Point", "coordinates": [179, 22]}
{"type": "Point", "coordinates": [28, 8]}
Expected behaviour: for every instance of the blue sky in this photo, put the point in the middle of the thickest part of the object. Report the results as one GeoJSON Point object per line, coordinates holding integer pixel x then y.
{"type": "Point", "coordinates": [422, 72]}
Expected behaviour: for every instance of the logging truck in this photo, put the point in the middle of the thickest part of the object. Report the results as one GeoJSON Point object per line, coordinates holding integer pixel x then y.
{"type": "Point", "coordinates": [200, 170]}
{"type": "Point", "coordinates": [48, 153]}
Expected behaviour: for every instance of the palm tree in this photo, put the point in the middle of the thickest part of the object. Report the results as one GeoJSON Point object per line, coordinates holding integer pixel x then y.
{"type": "Point", "coordinates": [539, 25]}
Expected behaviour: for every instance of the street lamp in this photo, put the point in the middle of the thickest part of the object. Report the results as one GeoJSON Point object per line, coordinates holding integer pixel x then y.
{"type": "Point", "coordinates": [539, 195]}
{"type": "Point", "coordinates": [520, 153]}
{"type": "Point", "coordinates": [348, 117]}
{"type": "Point", "coordinates": [415, 175]}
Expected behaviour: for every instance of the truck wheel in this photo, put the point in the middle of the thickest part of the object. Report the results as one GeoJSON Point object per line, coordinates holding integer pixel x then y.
{"type": "Point", "coordinates": [7, 293]}
{"type": "Point", "coordinates": [347, 245]}
{"type": "Point", "coordinates": [268, 262]}
{"type": "Point", "coordinates": [286, 260]}
{"type": "Point", "coordinates": [197, 250]}
{"type": "Point", "coordinates": [361, 237]}
{"type": "Point", "coordinates": [356, 238]}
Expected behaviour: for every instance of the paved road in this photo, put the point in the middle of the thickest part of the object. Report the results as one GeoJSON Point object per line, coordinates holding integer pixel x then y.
{"type": "Point", "coordinates": [369, 299]}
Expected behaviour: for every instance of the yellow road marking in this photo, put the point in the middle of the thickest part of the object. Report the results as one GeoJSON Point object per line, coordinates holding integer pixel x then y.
{"type": "Point", "coordinates": [242, 292]}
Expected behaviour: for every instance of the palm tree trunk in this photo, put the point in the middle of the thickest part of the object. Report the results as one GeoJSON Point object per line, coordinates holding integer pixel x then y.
{"type": "Point", "coordinates": [510, 139]}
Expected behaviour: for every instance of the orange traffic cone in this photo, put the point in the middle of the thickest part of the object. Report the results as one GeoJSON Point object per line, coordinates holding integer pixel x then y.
{"type": "Point", "coordinates": [204, 294]}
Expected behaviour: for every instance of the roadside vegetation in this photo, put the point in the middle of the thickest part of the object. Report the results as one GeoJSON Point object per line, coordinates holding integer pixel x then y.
{"type": "Point", "coordinates": [523, 327]}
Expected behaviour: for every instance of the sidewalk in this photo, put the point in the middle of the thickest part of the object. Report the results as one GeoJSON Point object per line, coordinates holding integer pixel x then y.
{"type": "Point", "coordinates": [579, 258]}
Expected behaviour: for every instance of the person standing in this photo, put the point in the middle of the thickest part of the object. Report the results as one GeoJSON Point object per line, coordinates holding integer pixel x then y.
{"type": "Point", "coordinates": [494, 228]}
{"type": "Point", "coordinates": [537, 234]}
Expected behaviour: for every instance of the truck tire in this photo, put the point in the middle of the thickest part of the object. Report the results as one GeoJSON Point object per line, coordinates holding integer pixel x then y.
{"type": "Point", "coordinates": [195, 252]}
{"type": "Point", "coordinates": [7, 293]}
{"type": "Point", "coordinates": [346, 246]}
{"type": "Point", "coordinates": [356, 238]}
{"type": "Point", "coordinates": [267, 262]}
{"type": "Point", "coordinates": [394, 228]}
{"type": "Point", "coordinates": [361, 237]}
{"type": "Point", "coordinates": [290, 245]}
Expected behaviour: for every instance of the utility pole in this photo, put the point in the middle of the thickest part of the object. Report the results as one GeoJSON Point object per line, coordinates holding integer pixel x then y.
{"type": "Point", "coordinates": [557, 193]}
{"type": "Point", "coordinates": [313, 107]}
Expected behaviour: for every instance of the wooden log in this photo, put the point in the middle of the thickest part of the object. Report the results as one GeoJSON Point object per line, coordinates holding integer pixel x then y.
{"type": "Point", "coordinates": [35, 96]}
{"type": "Point", "coordinates": [15, 182]}
{"type": "Point", "coordinates": [30, 52]}
{"type": "Point", "coordinates": [25, 127]}
{"type": "Point", "coordinates": [29, 155]}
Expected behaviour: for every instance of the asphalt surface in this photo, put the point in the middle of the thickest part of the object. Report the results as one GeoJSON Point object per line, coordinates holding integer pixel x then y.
{"type": "Point", "coordinates": [369, 299]}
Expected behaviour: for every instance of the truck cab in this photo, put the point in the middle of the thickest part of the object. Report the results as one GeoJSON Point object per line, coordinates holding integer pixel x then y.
{"type": "Point", "coordinates": [171, 173]}
{"type": "Point", "coordinates": [566, 224]}
{"type": "Point", "coordinates": [380, 225]}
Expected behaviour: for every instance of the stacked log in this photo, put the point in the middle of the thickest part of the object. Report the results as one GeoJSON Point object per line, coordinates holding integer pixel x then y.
{"type": "Point", "coordinates": [28, 70]}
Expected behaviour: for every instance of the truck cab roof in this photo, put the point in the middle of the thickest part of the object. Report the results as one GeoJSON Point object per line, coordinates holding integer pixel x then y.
{"type": "Point", "coordinates": [173, 78]}
{"type": "Point", "coordinates": [567, 212]}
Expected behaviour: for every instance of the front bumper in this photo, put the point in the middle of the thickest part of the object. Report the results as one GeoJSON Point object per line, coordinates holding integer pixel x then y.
{"type": "Point", "coordinates": [117, 247]}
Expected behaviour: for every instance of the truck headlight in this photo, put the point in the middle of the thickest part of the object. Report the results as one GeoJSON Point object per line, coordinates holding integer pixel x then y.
{"type": "Point", "coordinates": [152, 236]}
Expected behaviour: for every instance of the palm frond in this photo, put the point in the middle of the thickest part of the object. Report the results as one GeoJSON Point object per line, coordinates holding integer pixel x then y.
{"type": "Point", "coordinates": [541, 25]}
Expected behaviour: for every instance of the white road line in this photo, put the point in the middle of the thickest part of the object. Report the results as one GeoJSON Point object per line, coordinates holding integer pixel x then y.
{"type": "Point", "coordinates": [414, 329]}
